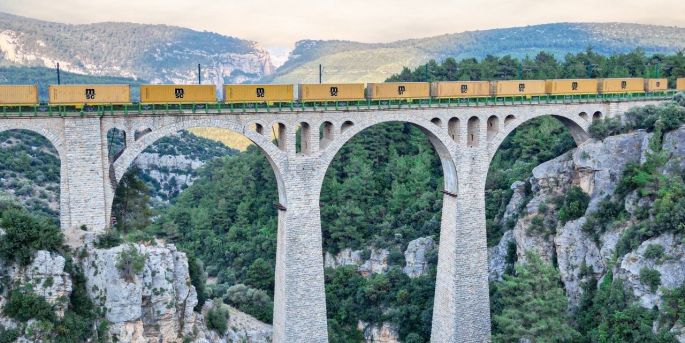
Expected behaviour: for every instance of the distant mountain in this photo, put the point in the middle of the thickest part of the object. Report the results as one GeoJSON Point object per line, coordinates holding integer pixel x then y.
{"type": "Point", "coordinates": [157, 53]}
{"type": "Point", "coordinates": [345, 61]}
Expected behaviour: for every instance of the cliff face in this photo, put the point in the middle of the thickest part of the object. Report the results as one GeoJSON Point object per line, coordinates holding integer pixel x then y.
{"type": "Point", "coordinates": [596, 168]}
{"type": "Point", "coordinates": [157, 53]}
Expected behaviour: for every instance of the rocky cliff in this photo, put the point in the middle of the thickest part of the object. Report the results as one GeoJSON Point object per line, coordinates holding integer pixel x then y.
{"type": "Point", "coordinates": [596, 167]}
{"type": "Point", "coordinates": [157, 53]}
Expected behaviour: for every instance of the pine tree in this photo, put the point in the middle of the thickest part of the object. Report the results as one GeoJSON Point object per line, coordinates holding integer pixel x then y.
{"type": "Point", "coordinates": [534, 305]}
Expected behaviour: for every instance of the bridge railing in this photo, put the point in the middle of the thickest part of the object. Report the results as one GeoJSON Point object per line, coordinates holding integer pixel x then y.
{"type": "Point", "coordinates": [261, 107]}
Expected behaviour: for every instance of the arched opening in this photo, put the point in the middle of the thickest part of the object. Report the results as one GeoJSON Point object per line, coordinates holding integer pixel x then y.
{"type": "Point", "coordinates": [141, 132]}
{"type": "Point", "coordinates": [473, 132]}
{"type": "Point", "coordinates": [381, 215]}
{"type": "Point", "coordinates": [520, 208]}
{"type": "Point", "coordinates": [437, 121]}
{"type": "Point", "coordinates": [493, 127]}
{"type": "Point", "coordinates": [30, 174]}
{"type": "Point", "coordinates": [278, 134]}
{"type": "Point", "coordinates": [583, 115]}
{"type": "Point", "coordinates": [259, 128]}
{"type": "Point", "coordinates": [225, 212]}
{"type": "Point", "coordinates": [597, 116]}
{"type": "Point", "coordinates": [303, 139]}
{"type": "Point", "coordinates": [453, 129]}
{"type": "Point", "coordinates": [116, 143]}
{"type": "Point", "coordinates": [509, 119]}
{"type": "Point", "coordinates": [345, 126]}
{"type": "Point", "coordinates": [325, 135]}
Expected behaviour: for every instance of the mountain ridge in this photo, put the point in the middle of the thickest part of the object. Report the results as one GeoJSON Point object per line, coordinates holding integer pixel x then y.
{"type": "Point", "coordinates": [350, 61]}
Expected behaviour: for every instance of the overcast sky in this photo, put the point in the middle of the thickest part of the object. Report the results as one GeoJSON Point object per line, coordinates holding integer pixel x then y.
{"type": "Point", "coordinates": [283, 22]}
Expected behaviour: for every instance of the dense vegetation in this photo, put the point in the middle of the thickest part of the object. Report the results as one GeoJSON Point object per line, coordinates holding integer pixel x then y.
{"type": "Point", "coordinates": [24, 235]}
{"type": "Point", "coordinates": [545, 65]}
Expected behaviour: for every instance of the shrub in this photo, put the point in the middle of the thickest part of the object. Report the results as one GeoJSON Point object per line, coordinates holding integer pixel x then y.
{"type": "Point", "coordinates": [654, 251]}
{"type": "Point", "coordinates": [108, 240]}
{"type": "Point", "coordinates": [396, 257]}
{"type": "Point", "coordinates": [130, 262]}
{"type": "Point", "coordinates": [600, 129]}
{"type": "Point", "coordinates": [575, 205]}
{"type": "Point", "coordinates": [217, 318]}
{"type": "Point", "coordinates": [23, 307]}
{"type": "Point", "coordinates": [650, 277]}
{"type": "Point", "coordinates": [252, 301]}
{"type": "Point", "coordinates": [25, 235]}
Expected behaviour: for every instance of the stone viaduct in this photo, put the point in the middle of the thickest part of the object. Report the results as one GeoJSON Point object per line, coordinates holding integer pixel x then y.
{"type": "Point", "coordinates": [466, 139]}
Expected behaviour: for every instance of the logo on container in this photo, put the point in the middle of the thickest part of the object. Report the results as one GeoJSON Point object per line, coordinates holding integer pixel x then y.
{"type": "Point", "coordinates": [658, 84]}
{"type": "Point", "coordinates": [90, 93]}
{"type": "Point", "coordinates": [400, 90]}
{"type": "Point", "coordinates": [574, 86]}
{"type": "Point", "coordinates": [624, 84]}
{"type": "Point", "coordinates": [178, 93]}
{"type": "Point", "coordinates": [334, 91]}
{"type": "Point", "coordinates": [464, 89]}
{"type": "Point", "coordinates": [260, 92]}
{"type": "Point", "coordinates": [522, 87]}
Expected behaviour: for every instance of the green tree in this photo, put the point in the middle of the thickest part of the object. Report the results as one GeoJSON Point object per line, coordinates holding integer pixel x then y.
{"type": "Point", "coordinates": [534, 306]}
{"type": "Point", "coordinates": [131, 202]}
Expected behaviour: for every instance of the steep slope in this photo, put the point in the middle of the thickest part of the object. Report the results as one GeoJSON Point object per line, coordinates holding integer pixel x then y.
{"type": "Point", "coordinates": [159, 53]}
{"type": "Point", "coordinates": [358, 62]}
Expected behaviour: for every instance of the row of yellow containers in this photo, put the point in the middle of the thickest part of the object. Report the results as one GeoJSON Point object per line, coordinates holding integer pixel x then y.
{"type": "Point", "coordinates": [120, 94]}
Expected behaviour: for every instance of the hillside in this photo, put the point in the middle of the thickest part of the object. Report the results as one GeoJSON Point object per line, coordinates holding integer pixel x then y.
{"type": "Point", "coordinates": [158, 53]}
{"type": "Point", "coordinates": [346, 61]}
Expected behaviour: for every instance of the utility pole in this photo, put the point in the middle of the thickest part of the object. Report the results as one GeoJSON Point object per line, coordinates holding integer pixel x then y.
{"type": "Point", "coordinates": [426, 72]}
{"type": "Point", "coordinates": [656, 69]}
{"type": "Point", "coordinates": [199, 74]}
{"type": "Point", "coordinates": [58, 81]}
{"type": "Point", "coordinates": [320, 73]}
{"type": "Point", "coordinates": [520, 71]}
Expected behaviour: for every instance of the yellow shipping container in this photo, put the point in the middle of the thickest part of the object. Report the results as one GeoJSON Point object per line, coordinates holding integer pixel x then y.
{"type": "Point", "coordinates": [250, 93]}
{"type": "Point", "coordinates": [459, 89]}
{"type": "Point", "coordinates": [627, 85]}
{"type": "Point", "coordinates": [166, 94]}
{"type": "Point", "coordinates": [655, 85]}
{"type": "Point", "coordinates": [680, 84]}
{"type": "Point", "coordinates": [519, 87]}
{"type": "Point", "coordinates": [89, 94]}
{"type": "Point", "coordinates": [398, 90]}
{"type": "Point", "coordinates": [571, 86]}
{"type": "Point", "coordinates": [342, 91]}
{"type": "Point", "coordinates": [18, 95]}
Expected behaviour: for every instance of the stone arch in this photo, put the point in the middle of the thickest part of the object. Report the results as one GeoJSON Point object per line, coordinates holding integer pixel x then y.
{"type": "Point", "coordinates": [575, 124]}
{"type": "Point", "coordinates": [113, 152]}
{"type": "Point", "coordinates": [442, 144]}
{"type": "Point", "coordinates": [325, 135]}
{"type": "Point", "coordinates": [437, 121]}
{"type": "Point", "coordinates": [280, 132]}
{"type": "Point", "coordinates": [453, 127]}
{"type": "Point", "coordinates": [493, 127]}
{"type": "Point", "coordinates": [259, 128]}
{"type": "Point", "coordinates": [273, 154]}
{"type": "Point", "coordinates": [305, 139]}
{"type": "Point", "coordinates": [509, 119]}
{"type": "Point", "coordinates": [346, 126]}
{"type": "Point", "coordinates": [597, 116]}
{"type": "Point", "coordinates": [58, 144]}
{"type": "Point", "coordinates": [473, 132]}
{"type": "Point", "coordinates": [583, 115]}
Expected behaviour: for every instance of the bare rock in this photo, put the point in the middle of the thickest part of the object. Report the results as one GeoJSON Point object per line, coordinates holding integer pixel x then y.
{"type": "Point", "coordinates": [415, 256]}
{"type": "Point", "coordinates": [497, 256]}
{"type": "Point", "coordinates": [385, 333]}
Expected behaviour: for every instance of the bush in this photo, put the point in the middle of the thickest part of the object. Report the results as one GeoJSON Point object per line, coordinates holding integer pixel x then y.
{"type": "Point", "coordinates": [600, 129]}
{"type": "Point", "coordinates": [23, 307]}
{"type": "Point", "coordinates": [252, 301]}
{"type": "Point", "coordinates": [217, 318]}
{"type": "Point", "coordinates": [108, 240]}
{"type": "Point", "coordinates": [654, 251]}
{"type": "Point", "coordinates": [575, 205]}
{"type": "Point", "coordinates": [651, 278]}
{"type": "Point", "coordinates": [25, 234]}
{"type": "Point", "coordinates": [396, 257]}
{"type": "Point", "coordinates": [130, 262]}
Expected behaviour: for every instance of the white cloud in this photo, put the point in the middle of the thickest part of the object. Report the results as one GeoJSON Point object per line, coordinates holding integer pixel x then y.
{"type": "Point", "coordinates": [281, 23]}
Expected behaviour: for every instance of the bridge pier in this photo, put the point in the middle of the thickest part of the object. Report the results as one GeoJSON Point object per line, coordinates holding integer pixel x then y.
{"type": "Point", "coordinates": [299, 297]}
{"type": "Point", "coordinates": [83, 188]}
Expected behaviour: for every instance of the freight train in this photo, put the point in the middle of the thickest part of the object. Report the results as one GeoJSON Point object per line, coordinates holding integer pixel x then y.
{"type": "Point", "coordinates": [254, 95]}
